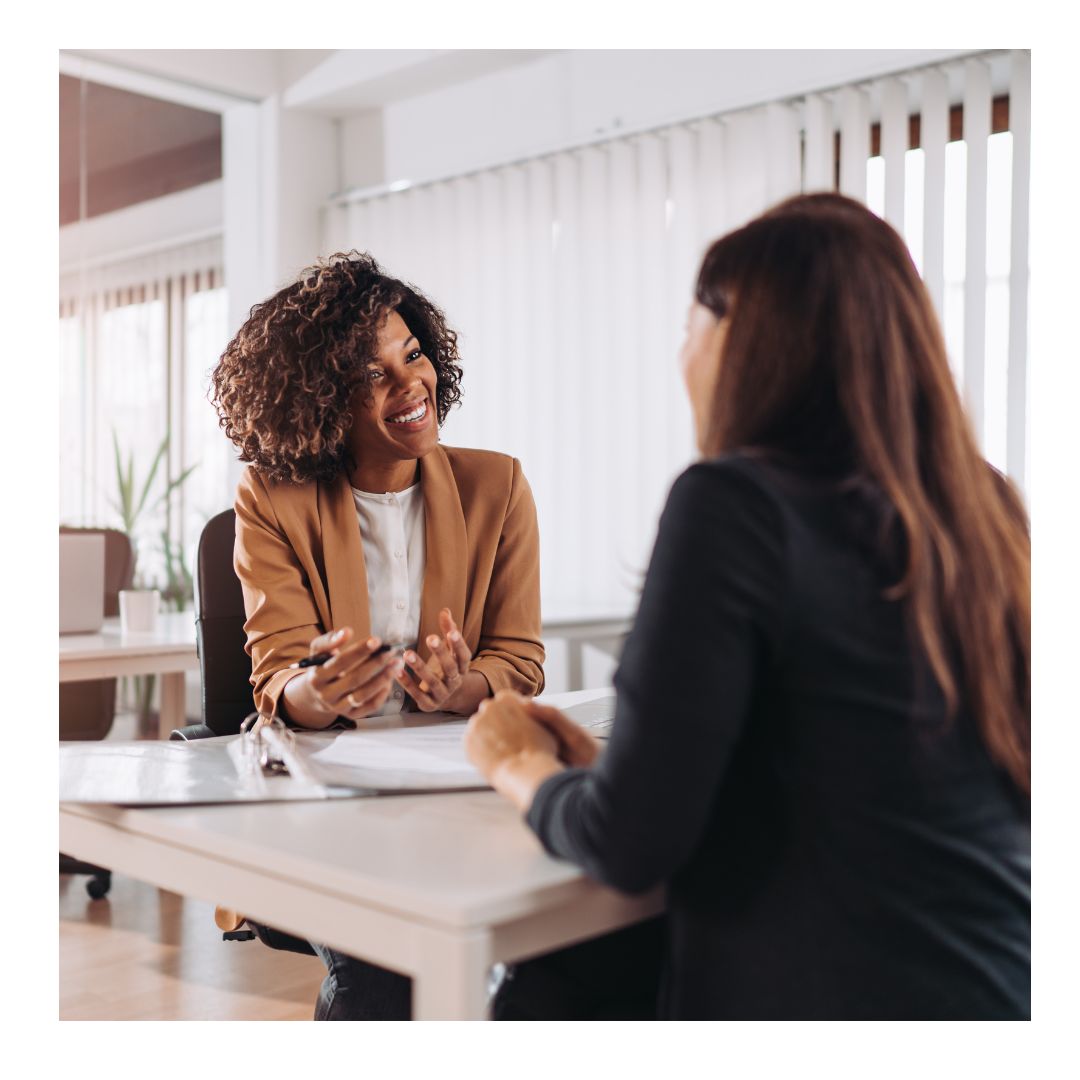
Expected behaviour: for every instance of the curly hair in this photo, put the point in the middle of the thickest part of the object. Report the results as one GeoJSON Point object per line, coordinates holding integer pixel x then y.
{"type": "Point", "coordinates": [284, 385]}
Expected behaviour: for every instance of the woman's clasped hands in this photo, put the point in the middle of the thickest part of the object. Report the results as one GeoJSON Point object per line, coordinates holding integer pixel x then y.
{"type": "Point", "coordinates": [517, 743]}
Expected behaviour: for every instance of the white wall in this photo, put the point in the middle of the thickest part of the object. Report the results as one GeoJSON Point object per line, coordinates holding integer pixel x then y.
{"type": "Point", "coordinates": [172, 219]}
{"type": "Point", "coordinates": [305, 167]}
{"type": "Point", "coordinates": [583, 94]}
{"type": "Point", "coordinates": [361, 149]}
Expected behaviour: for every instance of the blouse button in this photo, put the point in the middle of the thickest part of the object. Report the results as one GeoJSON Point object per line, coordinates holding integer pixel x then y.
{"type": "Point", "coordinates": [399, 554]}
{"type": "Point", "coordinates": [401, 605]}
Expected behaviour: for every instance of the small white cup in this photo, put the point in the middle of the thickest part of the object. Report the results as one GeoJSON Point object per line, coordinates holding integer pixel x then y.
{"type": "Point", "coordinates": [138, 610]}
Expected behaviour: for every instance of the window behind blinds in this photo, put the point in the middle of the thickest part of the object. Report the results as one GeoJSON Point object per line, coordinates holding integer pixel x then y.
{"type": "Point", "coordinates": [138, 339]}
{"type": "Point", "coordinates": [568, 277]}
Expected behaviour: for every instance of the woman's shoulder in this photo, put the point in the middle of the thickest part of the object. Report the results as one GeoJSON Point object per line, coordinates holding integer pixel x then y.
{"type": "Point", "coordinates": [469, 458]}
{"type": "Point", "coordinates": [732, 500]}
{"type": "Point", "coordinates": [255, 488]}
{"type": "Point", "coordinates": [732, 478]}
{"type": "Point", "coordinates": [487, 482]}
{"type": "Point", "coordinates": [487, 466]}
{"type": "Point", "coordinates": [789, 486]}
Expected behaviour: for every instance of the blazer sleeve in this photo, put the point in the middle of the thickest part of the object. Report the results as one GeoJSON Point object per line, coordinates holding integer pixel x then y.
{"type": "Point", "coordinates": [710, 622]}
{"type": "Point", "coordinates": [281, 614]}
{"type": "Point", "coordinates": [510, 654]}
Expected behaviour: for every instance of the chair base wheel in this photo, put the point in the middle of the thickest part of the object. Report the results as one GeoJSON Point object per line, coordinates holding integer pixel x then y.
{"type": "Point", "coordinates": [98, 887]}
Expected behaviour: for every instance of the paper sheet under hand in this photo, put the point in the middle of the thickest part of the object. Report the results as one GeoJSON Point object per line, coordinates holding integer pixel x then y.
{"type": "Point", "coordinates": [427, 757]}
{"type": "Point", "coordinates": [415, 751]}
{"type": "Point", "coordinates": [595, 716]}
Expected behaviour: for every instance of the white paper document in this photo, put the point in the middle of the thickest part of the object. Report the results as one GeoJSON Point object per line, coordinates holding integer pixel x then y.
{"type": "Point", "coordinates": [406, 752]}
{"type": "Point", "coordinates": [151, 773]}
{"type": "Point", "coordinates": [427, 757]}
{"type": "Point", "coordinates": [417, 751]}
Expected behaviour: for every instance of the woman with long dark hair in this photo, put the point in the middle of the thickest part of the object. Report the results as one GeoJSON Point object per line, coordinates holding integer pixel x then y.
{"type": "Point", "coordinates": [822, 732]}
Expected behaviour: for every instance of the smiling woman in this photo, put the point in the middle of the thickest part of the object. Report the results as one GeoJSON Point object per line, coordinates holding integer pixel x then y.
{"type": "Point", "coordinates": [360, 537]}
{"type": "Point", "coordinates": [398, 402]}
{"type": "Point", "coordinates": [314, 356]}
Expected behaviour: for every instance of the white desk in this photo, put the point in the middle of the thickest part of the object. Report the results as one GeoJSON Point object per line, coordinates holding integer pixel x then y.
{"type": "Point", "coordinates": [168, 651]}
{"type": "Point", "coordinates": [602, 630]}
{"type": "Point", "coordinates": [439, 887]}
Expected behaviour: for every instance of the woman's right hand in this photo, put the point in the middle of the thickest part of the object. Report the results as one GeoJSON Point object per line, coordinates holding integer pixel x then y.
{"type": "Point", "coordinates": [352, 683]}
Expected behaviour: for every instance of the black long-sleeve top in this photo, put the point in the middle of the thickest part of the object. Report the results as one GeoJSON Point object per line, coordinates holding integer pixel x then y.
{"type": "Point", "coordinates": [833, 845]}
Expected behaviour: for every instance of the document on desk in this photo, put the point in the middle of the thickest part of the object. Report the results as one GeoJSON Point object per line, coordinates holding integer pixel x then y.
{"type": "Point", "coordinates": [406, 752]}
{"type": "Point", "coordinates": [417, 751]}
{"type": "Point", "coordinates": [151, 773]}
{"type": "Point", "coordinates": [412, 757]}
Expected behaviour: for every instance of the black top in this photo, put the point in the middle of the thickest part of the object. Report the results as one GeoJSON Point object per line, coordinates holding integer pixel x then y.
{"type": "Point", "coordinates": [833, 846]}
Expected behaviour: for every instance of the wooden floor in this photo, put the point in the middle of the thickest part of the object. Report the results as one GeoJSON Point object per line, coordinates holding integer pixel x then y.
{"type": "Point", "coordinates": [141, 953]}
{"type": "Point", "coordinates": [145, 954]}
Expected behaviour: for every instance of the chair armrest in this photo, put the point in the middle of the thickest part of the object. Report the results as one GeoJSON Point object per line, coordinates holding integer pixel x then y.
{"type": "Point", "coordinates": [192, 731]}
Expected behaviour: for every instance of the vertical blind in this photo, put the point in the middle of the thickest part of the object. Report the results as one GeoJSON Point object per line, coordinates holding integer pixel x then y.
{"type": "Point", "coordinates": [568, 277]}
{"type": "Point", "coordinates": [138, 338]}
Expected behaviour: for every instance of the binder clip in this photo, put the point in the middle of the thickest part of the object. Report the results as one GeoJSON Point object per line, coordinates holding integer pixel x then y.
{"type": "Point", "coordinates": [269, 743]}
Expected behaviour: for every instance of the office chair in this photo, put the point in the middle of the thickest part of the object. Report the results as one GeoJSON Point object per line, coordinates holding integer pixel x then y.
{"type": "Point", "coordinates": [225, 670]}
{"type": "Point", "coordinates": [87, 708]}
{"type": "Point", "coordinates": [224, 665]}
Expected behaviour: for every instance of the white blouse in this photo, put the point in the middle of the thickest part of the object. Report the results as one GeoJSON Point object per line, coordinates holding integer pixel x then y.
{"type": "Point", "coordinates": [392, 532]}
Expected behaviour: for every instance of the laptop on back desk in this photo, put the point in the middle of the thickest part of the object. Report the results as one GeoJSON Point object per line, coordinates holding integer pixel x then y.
{"type": "Point", "coordinates": [82, 582]}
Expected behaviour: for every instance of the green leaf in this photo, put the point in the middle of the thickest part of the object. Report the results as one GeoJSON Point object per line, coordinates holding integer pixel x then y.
{"type": "Point", "coordinates": [129, 491]}
{"type": "Point", "coordinates": [153, 472]}
{"type": "Point", "coordinates": [122, 489]}
{"type": "Point", "coordinates": [173, 484]}
{"type": "Point", "coordinates": [130, 510]}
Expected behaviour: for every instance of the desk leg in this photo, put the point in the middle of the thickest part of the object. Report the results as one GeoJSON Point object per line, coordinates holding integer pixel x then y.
{"type": "Point", "coordinates": [451, 983]}
{"type": "Point", "coordinates": [575, 664]}
{"type": "Point", "coordinates": [173, 705]}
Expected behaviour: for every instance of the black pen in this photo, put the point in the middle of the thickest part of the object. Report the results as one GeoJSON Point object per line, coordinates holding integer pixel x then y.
{"type": "Point", "coordinates": [320, 658]}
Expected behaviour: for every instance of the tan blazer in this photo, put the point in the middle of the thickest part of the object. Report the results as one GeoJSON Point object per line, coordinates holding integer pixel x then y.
{"type": "Point", "coordinates": [300, 559]}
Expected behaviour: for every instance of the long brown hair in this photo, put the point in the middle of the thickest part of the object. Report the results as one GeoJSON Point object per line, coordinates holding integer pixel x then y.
{"type": "Point", "coordinates": [834, 355]}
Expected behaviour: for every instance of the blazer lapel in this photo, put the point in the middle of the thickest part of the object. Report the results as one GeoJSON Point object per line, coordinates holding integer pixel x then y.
{"type": "Point", "coordinates": [343, 557]}
{"type": "Point", "coordinates": [447, 552]}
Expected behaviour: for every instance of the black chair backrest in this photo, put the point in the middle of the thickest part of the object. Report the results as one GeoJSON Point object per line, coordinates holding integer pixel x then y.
{"type": "Point", "coordinates": [219, 621]}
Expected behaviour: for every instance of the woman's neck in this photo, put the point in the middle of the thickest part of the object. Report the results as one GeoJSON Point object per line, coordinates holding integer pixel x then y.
{"type": "Point", "coordinates": [378, 476]}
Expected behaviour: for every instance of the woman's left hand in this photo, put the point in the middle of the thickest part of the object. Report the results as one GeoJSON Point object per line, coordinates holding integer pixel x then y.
{"type": "Point", "coordinates": [513, 752]}
{"type": "Point", "coordinates": [439, 681]}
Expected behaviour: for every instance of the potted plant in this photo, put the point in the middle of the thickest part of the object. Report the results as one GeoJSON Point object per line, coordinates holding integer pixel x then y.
{"type": "Point", "coordinates": [139, 605]}
{"type": "Point", "coordinates": [131, 508]}
{"type": "Point", "coordinates": [179, 588]}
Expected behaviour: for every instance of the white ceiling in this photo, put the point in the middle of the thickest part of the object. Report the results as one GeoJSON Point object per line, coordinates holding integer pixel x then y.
{"type": "Point", "coordinates": [355, 79]}
{"type": "Point", "coordinates": [328, 81]}
{"type": "Point", "coordinates": [348, 81]}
